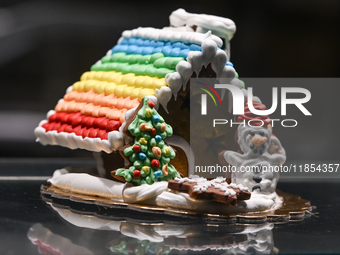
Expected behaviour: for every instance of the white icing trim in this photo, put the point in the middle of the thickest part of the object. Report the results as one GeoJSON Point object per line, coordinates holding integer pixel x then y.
{"type": "Point", "coordinates": [222, 27]}
{"type": "Point", "coordinates": [195, 61]}
{"type": "Point", "coordinates": [171, 35]}
{"type": "Point", "coordinates": [50, 113]}
{"type": "Point", "coordinates": [87, 184]}
{"type": "Point", "coordinates": [164, 96]}
{"type": "Point", "coordinates": [72, 141]}
{"type": "Point", "coordinates": [109, 52]}
{"type": "Point", "coordinates": [156, 194]}
{"type": "Point", "coordinates": [69, 89]}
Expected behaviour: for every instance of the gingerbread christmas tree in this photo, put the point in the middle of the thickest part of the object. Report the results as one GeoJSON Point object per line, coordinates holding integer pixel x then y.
{"type": "Point", "coordinates": [149, 155]}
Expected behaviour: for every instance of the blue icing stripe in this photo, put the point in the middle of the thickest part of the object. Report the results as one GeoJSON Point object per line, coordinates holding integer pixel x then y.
{"type": "Point", "coordinates": [136, 45]}
{"type": "Point", "coordinates": [147, 51]}
{"type": "Point", "coordinates": [166, 50]}
{"type": "Point", "coordinates": [195, 47]}
{"type": "Point", "coordinates": [132, 41]}
{"type": "Point", "coordinates": [139, 41]}
{"type": "Point", "coordinates": [120, 48]}
{"type": "Point", "coordinates": [125, 41]}
{"type": "Point", "coordinates": [174, 52]}
{"type": "Point", "coordinates": [184, 53]}
{"type": "Point", "coordinates": [146, 42]}
{"type": "Point", "coordinates": [152, 43]}
{"type": "Point", "coordinates": [176, 45]}
{"type": "Point", "coordinates": [157, 50]}
{"type": "Point", "coordinates": [131, 49]}
{"type": "Point", "coordinates": [139, 50]}
{"type": "Point", "coordinates": [159, 44]}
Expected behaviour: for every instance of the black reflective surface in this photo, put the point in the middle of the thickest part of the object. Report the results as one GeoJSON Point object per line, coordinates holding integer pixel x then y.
{"type": "Point", "coordinates": [22, 207]}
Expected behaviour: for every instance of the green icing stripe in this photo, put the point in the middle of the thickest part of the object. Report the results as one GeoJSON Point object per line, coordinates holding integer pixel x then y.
{"type": "Point", "coordinates": [155, 65]}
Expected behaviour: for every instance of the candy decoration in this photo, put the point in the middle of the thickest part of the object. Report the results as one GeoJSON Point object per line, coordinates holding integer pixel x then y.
{"type": "Point", "coordinates": [146, 169]}
{"type": "Point", "coordinates": [158, 138]}
{"type": "Point", "coordinates": [144, 127]}
{"type": "Point", "coordinates": [143, 141]}
{"type": "Point", "coordinates": [136, 174]}
{"type": "Point", "coordinates": [158, 174]}
{"type": "Point", "coordinates": [156, 118]}
{"type": "Point", "coordinates": [157, 152]}
{"type": "Point", "coordinates": [153, 132]}
{"type": "Point", "coordinates": [136, 148]}
{"type": "Point", "coordinates": [155, 163]}
{"type": "Point", "coordinates": [165, 170]}
{"type": "Point", "coordinates": [163, 127]}
{"type": "Point", "coordinates": [148, 113]}
{"type": "Point", "coordinates": [151, 104]}
{"type": "Point", "coordinates": [167, 150]}
{"type": "Point", "coordinates": [141, 156]}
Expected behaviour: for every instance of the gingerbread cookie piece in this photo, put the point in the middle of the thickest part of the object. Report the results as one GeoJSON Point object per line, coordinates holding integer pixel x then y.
{"type": "Point", "coordinates": [217, 189]}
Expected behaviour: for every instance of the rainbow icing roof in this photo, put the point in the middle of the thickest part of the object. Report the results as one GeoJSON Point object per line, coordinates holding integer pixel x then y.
{"type": "Point", "coordinates": [145, 62]}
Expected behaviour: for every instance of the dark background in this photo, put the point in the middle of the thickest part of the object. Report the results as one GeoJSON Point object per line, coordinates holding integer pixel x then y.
{"type": "Point", "coordinates": [45, 46]}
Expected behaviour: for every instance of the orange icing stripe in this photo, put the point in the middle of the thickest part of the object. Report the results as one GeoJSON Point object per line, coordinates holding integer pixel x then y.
{"type": "Point", "coordinates": [97, 105]}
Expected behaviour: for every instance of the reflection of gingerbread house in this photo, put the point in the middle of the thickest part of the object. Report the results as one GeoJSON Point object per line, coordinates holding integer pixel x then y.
{"type": "Point", "coordinates": [145, 62]}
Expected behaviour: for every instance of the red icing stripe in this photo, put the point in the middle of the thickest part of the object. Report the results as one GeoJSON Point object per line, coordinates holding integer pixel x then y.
{"type": "Point", "coordinates": [81, 125]}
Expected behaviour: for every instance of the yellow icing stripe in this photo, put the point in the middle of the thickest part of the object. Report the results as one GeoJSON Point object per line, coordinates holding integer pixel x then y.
{"type": "Point", "coordinates": [121, 85]}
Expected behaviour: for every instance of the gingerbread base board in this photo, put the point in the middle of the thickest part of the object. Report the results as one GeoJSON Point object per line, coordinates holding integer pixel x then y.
{"type": "Point", "coordinates": [293, 209]}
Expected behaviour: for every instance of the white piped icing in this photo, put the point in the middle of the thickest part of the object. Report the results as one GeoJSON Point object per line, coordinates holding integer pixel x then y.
{"type": "Point", "coordinates": [222, 27]}
{"type": "Point", "coordinates": [157, 194]}
{"type": "Point", "coordinates": [87, 184]}
{"type": "Point", "coordinates": [69, 89]}
{"type": "Point", "coordinates": [203, 184]}
{"type": "Point", "coordinates": [195, 61]}
{"type": "Point", "coordinates": [164, 96]}
{"type": "Point", "coordinates": [171, 35]}
{"type": "Point", "coordinates": [109, 52]}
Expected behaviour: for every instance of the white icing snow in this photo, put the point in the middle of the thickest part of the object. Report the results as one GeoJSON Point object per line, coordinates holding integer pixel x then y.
{"type": "Point", "coordinates": [156, 194]}
{"type": "Point", "coordinates": [222, 27]}
{"type": "Point", "coordinates": [171, 35]}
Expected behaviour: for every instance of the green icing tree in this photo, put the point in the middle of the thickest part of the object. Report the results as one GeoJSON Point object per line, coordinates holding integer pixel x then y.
{"type": "Point", "coordinates": [149, 155]}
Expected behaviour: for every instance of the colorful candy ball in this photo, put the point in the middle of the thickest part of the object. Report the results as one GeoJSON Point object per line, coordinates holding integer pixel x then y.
{"type": "Point", "coordinates": [158, 174]}
{"type": "Point", "coordinates": [136, 148]}
{"type": "Point", "coordinates": [153, 132]}
{"type": "Point", "coordinates": [136, 174]}
{"type": "Point", "coordinates": [156, 118]}
{"type": "Point", "coordinates": [151, 104]}
{"type": "Point", "coordinates": [148, 113]}
{"type": "Point", "coordinates": [141, 156]}
{"type": "Point", "coordinates": [155, 163]}
{"type": "Point", "coordinates": [158, 138]}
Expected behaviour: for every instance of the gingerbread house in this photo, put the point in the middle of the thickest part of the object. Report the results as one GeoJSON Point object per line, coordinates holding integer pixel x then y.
{"type": "Point", "coordinates": [152, 62]}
